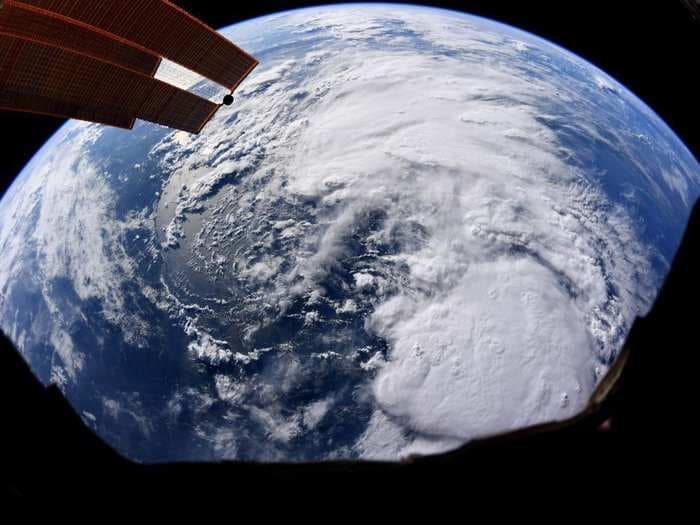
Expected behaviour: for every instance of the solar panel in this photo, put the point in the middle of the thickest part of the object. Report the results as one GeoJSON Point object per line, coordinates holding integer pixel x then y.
{"type": "Point", "coordinates": [165, 29]}
{"type": "Point", "coordinates": [39, 78]}
{"type": "Point", "coordinates": [97, 61]}
{"type": "Point", "coordinates": [26, 21]}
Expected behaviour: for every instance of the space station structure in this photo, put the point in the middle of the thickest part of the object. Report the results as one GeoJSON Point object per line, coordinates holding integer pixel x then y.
{"type": "Point", "coordinates": [115, 61]}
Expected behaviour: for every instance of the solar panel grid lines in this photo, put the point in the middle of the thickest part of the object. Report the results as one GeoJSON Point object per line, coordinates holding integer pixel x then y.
{"type": "Point", "coordinates": [51, 80]}
{"type": "Point", "coordinates": [164, 28]}
{"type": "Point", "coordinates": [173, 107]}
{"type": "Point", "coordinates": [99, 61]}
{"type": "Point", "coordinates": [29, 22]}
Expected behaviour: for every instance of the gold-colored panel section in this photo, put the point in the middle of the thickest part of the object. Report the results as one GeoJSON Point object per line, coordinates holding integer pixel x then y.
{"type": "Point", "coordinates": [28, 22]}
{"type": "Point", "coordinates": [39, 78]}
{"type": "Point", "coordinates": [164, 29]}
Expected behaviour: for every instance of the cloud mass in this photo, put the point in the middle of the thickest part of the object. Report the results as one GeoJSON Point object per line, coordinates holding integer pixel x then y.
{"type": "Point", "coordinates": [410, 229]}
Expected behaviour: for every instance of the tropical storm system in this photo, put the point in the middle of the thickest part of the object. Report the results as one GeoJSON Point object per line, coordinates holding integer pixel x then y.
{"type": "Point", "coordinates": [411, 228]}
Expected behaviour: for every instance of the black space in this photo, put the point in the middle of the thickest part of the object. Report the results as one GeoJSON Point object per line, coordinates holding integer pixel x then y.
{"type": "Point", "coordinates": [651, 47]}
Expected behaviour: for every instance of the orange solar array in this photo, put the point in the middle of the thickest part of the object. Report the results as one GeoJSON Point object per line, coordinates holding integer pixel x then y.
{"type": "Point", "coordinates": [96, 60]}
{"type": "Point", "coordinates": [25, 21]}
{"type": "Point", "coordinates": [164, 28]}
{"type": "Point", "coordinates": [39, 78]}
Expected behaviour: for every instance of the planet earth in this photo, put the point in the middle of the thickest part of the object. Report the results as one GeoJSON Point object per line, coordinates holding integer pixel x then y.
{"type": "Point", "coordinates": [413, 227]}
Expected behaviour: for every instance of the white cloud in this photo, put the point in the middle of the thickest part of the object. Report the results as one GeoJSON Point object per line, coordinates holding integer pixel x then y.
{"type": "Point", "coordinates": [313, 413]}
{"type": "Point", "coordinates": [204, 347]}
{"type": "Point", "coordinates": [496, 351]}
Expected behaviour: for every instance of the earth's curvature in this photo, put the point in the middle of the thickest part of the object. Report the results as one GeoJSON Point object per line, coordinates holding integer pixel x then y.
{"type": "Point", "coordinates": [411, 228]}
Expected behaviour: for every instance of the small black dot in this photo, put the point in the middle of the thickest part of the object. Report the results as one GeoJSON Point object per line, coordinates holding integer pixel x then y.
{"type": "Point", "coordinates": [228, 100]}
